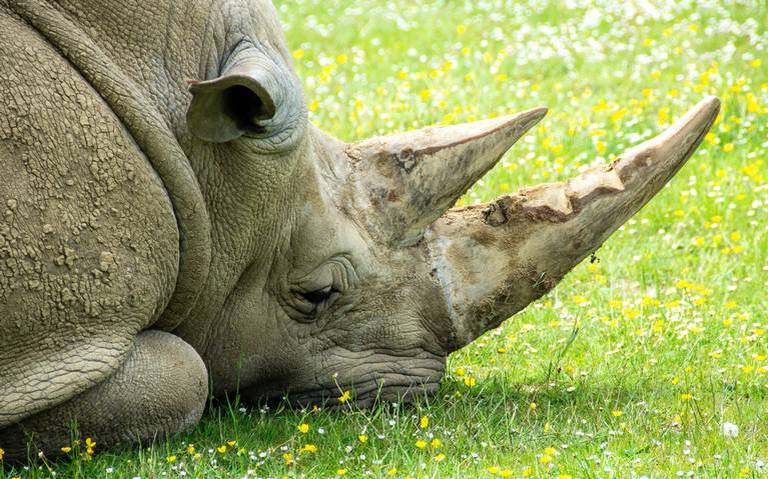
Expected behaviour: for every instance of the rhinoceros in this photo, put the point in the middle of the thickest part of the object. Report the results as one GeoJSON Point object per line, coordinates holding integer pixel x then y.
{"type": "Point", "coordinates": [173, 227]}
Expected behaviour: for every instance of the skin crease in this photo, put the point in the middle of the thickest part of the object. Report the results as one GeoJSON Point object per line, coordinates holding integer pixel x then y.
{"type": "Point", "coordinates": [227, 256]}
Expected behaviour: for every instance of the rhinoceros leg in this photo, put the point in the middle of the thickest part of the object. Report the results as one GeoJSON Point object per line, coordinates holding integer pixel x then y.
{"type": "Point", "coordinates": [160, 389]}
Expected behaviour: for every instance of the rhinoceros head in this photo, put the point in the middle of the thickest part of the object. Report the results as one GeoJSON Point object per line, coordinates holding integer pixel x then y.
{"type": "Point", "coordinates": [343, 267]}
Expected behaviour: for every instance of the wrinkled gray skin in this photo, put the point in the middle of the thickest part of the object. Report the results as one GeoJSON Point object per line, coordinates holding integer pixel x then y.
{"type": "Point", "coordinates": [172, 226]}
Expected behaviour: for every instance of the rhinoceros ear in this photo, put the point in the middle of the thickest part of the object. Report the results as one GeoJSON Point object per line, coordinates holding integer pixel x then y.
{"type": "Point", "coordinates": [231, 105]}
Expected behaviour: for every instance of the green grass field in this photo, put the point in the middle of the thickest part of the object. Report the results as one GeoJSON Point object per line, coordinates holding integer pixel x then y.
{"type": "Point", "coordinates": [651, 361]}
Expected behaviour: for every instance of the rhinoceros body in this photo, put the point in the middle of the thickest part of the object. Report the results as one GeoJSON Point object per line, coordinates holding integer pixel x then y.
{"type": "Point", "coordinates": [171, 226]}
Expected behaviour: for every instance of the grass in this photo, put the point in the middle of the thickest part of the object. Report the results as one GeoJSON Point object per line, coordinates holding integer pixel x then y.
{"type": "Point", "coordinates": [668, 352]}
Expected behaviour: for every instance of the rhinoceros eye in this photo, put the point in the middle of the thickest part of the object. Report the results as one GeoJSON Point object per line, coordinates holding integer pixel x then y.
{"type": "Point", "coordinates": [310, 304]}
{"type": "Point", "coordinates": [313, 294]}
{"type": "Point", "coordinates": [319, 296]}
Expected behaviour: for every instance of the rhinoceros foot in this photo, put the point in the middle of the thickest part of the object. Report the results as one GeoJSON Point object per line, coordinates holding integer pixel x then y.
{"type": "Point", "coordinates": [160, 389]}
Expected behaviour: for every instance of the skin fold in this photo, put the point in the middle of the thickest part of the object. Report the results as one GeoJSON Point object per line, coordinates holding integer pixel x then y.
{"type": "Point", "coordinates": [173, 227]}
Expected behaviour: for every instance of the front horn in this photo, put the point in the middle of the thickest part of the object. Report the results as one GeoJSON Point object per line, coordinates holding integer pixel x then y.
{"type": "Point", "coordinates": [492, 260]}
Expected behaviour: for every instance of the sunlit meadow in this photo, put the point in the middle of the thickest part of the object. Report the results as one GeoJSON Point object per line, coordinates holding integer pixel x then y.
{"type": "Point", "coordinates": [651, 360]}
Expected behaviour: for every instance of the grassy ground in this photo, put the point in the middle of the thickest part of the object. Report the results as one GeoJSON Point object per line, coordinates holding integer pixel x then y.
{"type": "Point", "coordinates": [668, 373]}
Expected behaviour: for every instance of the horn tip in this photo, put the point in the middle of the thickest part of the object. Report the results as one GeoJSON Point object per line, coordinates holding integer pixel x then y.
{"type": "Point", "coordinates": [527, 118]}
{"type": "Point", "coordinates": [709, 106]}
{"type": "Point", "coordinates": [536, 113]}
{"type": "Point", "coordinates": [703, 115]}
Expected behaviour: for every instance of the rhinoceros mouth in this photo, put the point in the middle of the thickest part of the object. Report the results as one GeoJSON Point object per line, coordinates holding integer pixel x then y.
{"type": "Point", "coordinates": [362, 395]}
{"type": "Point", "coordinates": [364, 383]}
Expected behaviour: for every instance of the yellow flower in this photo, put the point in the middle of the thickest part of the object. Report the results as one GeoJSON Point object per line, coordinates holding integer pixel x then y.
{"type": "Point", "coordinates": [686, 397]}
{"type": "Point", "coordinates": [345, 396]}
{"type": "Point", "coordinates": [470, 381]}
{"type": "Point", "coordinates": [89, 445]}
{"type": "Point", "coordinates": [363, 438]}
{"type": "Point", "coordinates": [527, 471]}
{"type": "Point", "coordinates": [2, 453]}
{"type": "Point", "coordinates": [392, 472]}
{"type": "Point", "coordinates": [342, 59]}
{"type": "Point", "coordinates": [744, 471]}
{"type": "Point", "coordinates": [439, 457]}
{"type": "Point", "coordinates": [222, 449]}
{"type": "Point", "coordinates": [755, 63]}
{"type": "Point", "coordinates": [600, 106]}
{"type": "Point", "coordinates": [616, 413]}
{"type": "Point", "coordinates": [308, 448]}
{"type": "Point", "coordinates": [231, 443]}
{"type": "Point", "coordinates": [288, 458]}
{"type": "Point", "coordinates": [462, 28]}
{"type": "Point", "coordinates": [545, 459]}
{"type": "Point", "coordinates": [663, 116]}
{"type": "Point", "coordinates": [190, 449]}
{"type": "Point", "coordinates": [303, 428]}
{"type": "Point", "coordinates": [493, 470]}
{"type": "Point", "coordinates": [580, 300]}
{"type": "Point", "coordinates": [532, 406]}
{"type": "Point", "coordinates": [424, 422]}
{"type": "Point", "coordinates": [619, 114]}
{"type": "Point", "coordinates": [65, 450]}
{"type": "Point", "coordinates": [298, 53]}
{"type": "Point", "coordinates": [600, 146]}
{"type": "Point", "coordinates": [630, 313]}
{"type": "Point", "coordinates": [728, 147]}
{"type": "Point", "coordinates": [421, 444]}
{"type": "Point", "coordinates": [341, 471]}
{"type": "Point", "coordinates": [550, 451]}
{"type": "Point", "coordinates": [171, 458]}
{"type": "Point", "coordinates": [460, 372]}
{"type": "Point", "coordinates": [658, 326]}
